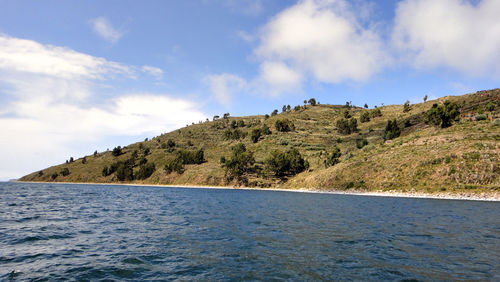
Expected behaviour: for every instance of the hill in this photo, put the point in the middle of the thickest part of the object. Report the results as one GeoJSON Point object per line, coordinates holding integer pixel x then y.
{"type": "Point", "coordinates": [449, 144]}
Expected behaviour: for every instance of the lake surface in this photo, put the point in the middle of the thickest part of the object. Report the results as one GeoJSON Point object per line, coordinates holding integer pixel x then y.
{"type": "Point", "coordinates": [93, 232]}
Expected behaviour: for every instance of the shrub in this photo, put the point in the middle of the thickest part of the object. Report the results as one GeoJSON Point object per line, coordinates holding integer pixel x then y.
{"type": "Point", "coordinates": [65, 171]}
{"type": "Point", "coordinates": [241, 162]}
{"type": "Point", "coordinates": [365, 117]}
{"type": "Point", "coordinates": [54, 175]}
{"type": "Point", "coordinates": [360, 143]}
{"type": "Point", "coordinates": [117, 151]}
{"type": "Point", "coordinates": [286, 163]}
{"type": "Point", "coordinates": [170, 143]}
{"type": "Point", "coordinates": [345, 126]}
{"type": "Point", "coordinates": [95, 153]}
{"type": "Point", "coordinates": [265, 130]}
{"type": "Point", "coordinates": [124, 172]}
{"type": "Point", "coordinates": [366, 106]}
{"type": "Point", "coordinates": [391, 130]}
{"type": "Point", "coordinates": [480, 117]}
{"type": "Point", "coordinates": [174, 165]}
{"type": "Point", "coordinates": [443, 114]}
{"type": "Point", "coordinates": [145, 171]}
{"type": "Point", "coordinates": [105, 171]}
{"type": "Point", "coordinates": [312, 102]}
{"type": "Point", "coordinates": [406, 106]}
{"type": "Point", "coordinates": [376, 113]}
{"type": "Point", "coordinates": [284, 125]}
{"type": "Point", "coordinates": [333, 157]}
{"type": "Point", "coordinates": [255, 135]}
{"type": "Point", "coordinates": [234, 134]}
{"type": "Point", "coordinates": [84, 160]}
{"type": "Point", "coordinates": [191, 157]}
{"type": "Point", "coordinates": [71, 159]}
{"type": "Point", "coordinates": [347, 114]}
{"type": "Point", "coordinates": [275, 112]}
{"type": "Point", "coordinates": [490, 107]}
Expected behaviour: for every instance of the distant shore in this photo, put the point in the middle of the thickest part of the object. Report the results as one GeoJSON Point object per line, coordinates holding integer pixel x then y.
{"type": "Point", "coordinates": [486, 196]}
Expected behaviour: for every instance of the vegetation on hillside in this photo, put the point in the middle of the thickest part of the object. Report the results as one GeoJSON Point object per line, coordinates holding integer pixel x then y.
{"type": "Point", "coordinates": [451, 144]}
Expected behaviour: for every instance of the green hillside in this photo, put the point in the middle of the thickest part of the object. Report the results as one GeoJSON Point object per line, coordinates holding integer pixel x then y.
{"type": "Point", "coordinates": [427, 156]}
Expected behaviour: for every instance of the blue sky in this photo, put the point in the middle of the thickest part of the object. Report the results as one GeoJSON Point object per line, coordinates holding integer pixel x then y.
{"type": "Point", "coordinates": [79, 76]}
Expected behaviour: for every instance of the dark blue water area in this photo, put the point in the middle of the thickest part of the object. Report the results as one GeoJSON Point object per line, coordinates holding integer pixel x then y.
{"type": "Point", "coordinates": [51, 232]}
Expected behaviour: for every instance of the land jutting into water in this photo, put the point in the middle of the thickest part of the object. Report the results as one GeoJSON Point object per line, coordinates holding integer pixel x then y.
{"type": "Point", "coordinates": [448, 147]}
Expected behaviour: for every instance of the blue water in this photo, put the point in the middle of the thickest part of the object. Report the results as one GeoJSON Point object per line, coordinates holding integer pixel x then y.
{"type": "Point", "coordinates": [91, 232]}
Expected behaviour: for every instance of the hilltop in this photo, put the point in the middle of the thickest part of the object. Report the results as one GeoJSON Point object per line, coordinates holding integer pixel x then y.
{"type": "Point", "coordinates": [450, 144]}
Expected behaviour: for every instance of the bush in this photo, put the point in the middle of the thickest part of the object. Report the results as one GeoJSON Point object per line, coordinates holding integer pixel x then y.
{"type": "Point", "coordinates": [490, 107]}
{"type": "Point", "coordinates": [65, 171]}
{"type": "Point", "coordinates": [275, 112]}
{"type": "Point", "coordinates": [174, 165]}
{"type": "Point", "coordinates": [391, 130]}
{"type": "Point", "coordinates": [265, 130]}
{"type": "Point", "coordinates": [124, 172]}
{"type": "Point", "coordinates": [54, 175]}
{"type": "Point", "coordinates": [286, 163]}
{"type": "Point", "coordinates": [191, 157]}
{"type": "Point", "coordinates": [360, 143]}
{"type": "Point", "coordinates": [376, 113]}
{"type": "Point", "coordinates": [105, 171]}
{"type": "Point", "coordinates": [284, 125]}
{"type": "Point", "coordinates": [145, 171]}
{"type": "Point", "coordinates": [170, 143]}
{"type": "Point", "coordinates": [312, 102]}
{"type": "Point", "coordinates": [333, 157]}
{"type": "Point", "coordinates": [480, 117]}
{"type": "Point", "coordinates": [347, 114]}
{"type": "Point", "coordinates": [345, 126]}
{"type": "Point", "coordinates": [241, 162]}
{"type": "Point", "coordinates": [406, 106]}
{"type": "Point", "coordinates": [443, 114]}
{"type": "Point", "coordinates": [365, 117]}
{"type": "Point", "coordinates": [255, 135]}
{"type": "Point", "coordinates": [84, 160]}
{"type": "Point", "coordinates": [117, 151]}
{"type": "Point", "coordinates": [234, 134]}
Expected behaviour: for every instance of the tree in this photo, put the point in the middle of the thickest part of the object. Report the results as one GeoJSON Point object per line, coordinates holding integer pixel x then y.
{"type": "Point", "coordinates": [425, 98]}
{"type": "Point", "coordinates": [84, 160]}
{"type": "Point", "coordinates": [406, 106]}
{"type": "Point", "coordinates": [490, 107]}
{"type": "Point", "coordinates": [365, 117]}
{"type": "Point", "coordinates": [288, 108]}
{"type": "Point", "coordinates": [54, 175]}
{"type": "Point", "coordinates": [95, 153]}
{"type": "Point", "coordinates": [391, 130]}
{"type": "Point", "coordinates": [226, 116]}
{"type": "Point", "coordinates": [117, 151]}
{"type": "Point", "coordinates": [170, 143]}
{"type": "Point", "coordinates": [284, 125]}
{"type": "Point", "coordinates": [283, 110]}
{"type": "Point", "coordinates": [443, 114]}
{"type": "Point", "coordinates": [240, 162]}
{"type": "Point", "coordinates": [333, 157]}
{"type": "Point", "coordinates": [105, 171]}
{"type": "Point", "coordinates": [275, 112]}
{"type": "Point", "coordinates": [305, 103]}
{"type": "Point", "coordinates": [312, 102]}
{"type": "Point", "coordinates": [71, 159]}
{"type": "Point", "coordinates": [366, 106]}
{"type": "Point", "coordinates": [215, 118]}
{"type": "Point", "coordinates": [286, 163]}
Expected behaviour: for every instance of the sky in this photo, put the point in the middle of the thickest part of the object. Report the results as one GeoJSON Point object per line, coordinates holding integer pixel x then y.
{"type": "Point", "coordinates": [79, 76]}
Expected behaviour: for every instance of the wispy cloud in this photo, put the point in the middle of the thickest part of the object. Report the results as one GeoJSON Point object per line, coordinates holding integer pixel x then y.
{"type": "Point", "coordinates": [104, 29]}
{"type": "Point", "coordinates": [154, 71]}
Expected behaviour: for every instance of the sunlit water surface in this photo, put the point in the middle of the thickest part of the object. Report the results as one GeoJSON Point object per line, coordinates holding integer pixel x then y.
{"type": "Point", "coordinates": [92, 232]}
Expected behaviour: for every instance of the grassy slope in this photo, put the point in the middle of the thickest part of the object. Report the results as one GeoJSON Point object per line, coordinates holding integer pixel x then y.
{"type": "Point", "coordinates": [465, 156]}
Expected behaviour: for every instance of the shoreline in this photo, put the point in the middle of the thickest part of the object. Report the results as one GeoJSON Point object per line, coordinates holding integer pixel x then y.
{"type": "Point", "coordinates": [488, 197]}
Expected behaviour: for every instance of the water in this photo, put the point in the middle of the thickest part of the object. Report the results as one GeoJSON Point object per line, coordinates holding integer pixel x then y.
{"type": "Point", "coordinates": [91, 232]}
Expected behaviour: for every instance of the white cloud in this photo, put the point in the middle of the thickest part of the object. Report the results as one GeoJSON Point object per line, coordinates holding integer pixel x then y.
{"type": "Point", "coordinates": [55, 107]}
{"type": "Point", "coordinates": [29, 56]}
{"type": "Point", "coordinates": [225, 86]}
{"type": "Point", "coordinates": [154, 71]}
{"type": "Point", "coordinates": [103, 28]}
{"type": "Point", "coordinates": [276, 78]}
{"type": "Point", "coordinates": [450, 33]}
{"type": "Point", "coordinates": [323, 39]}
